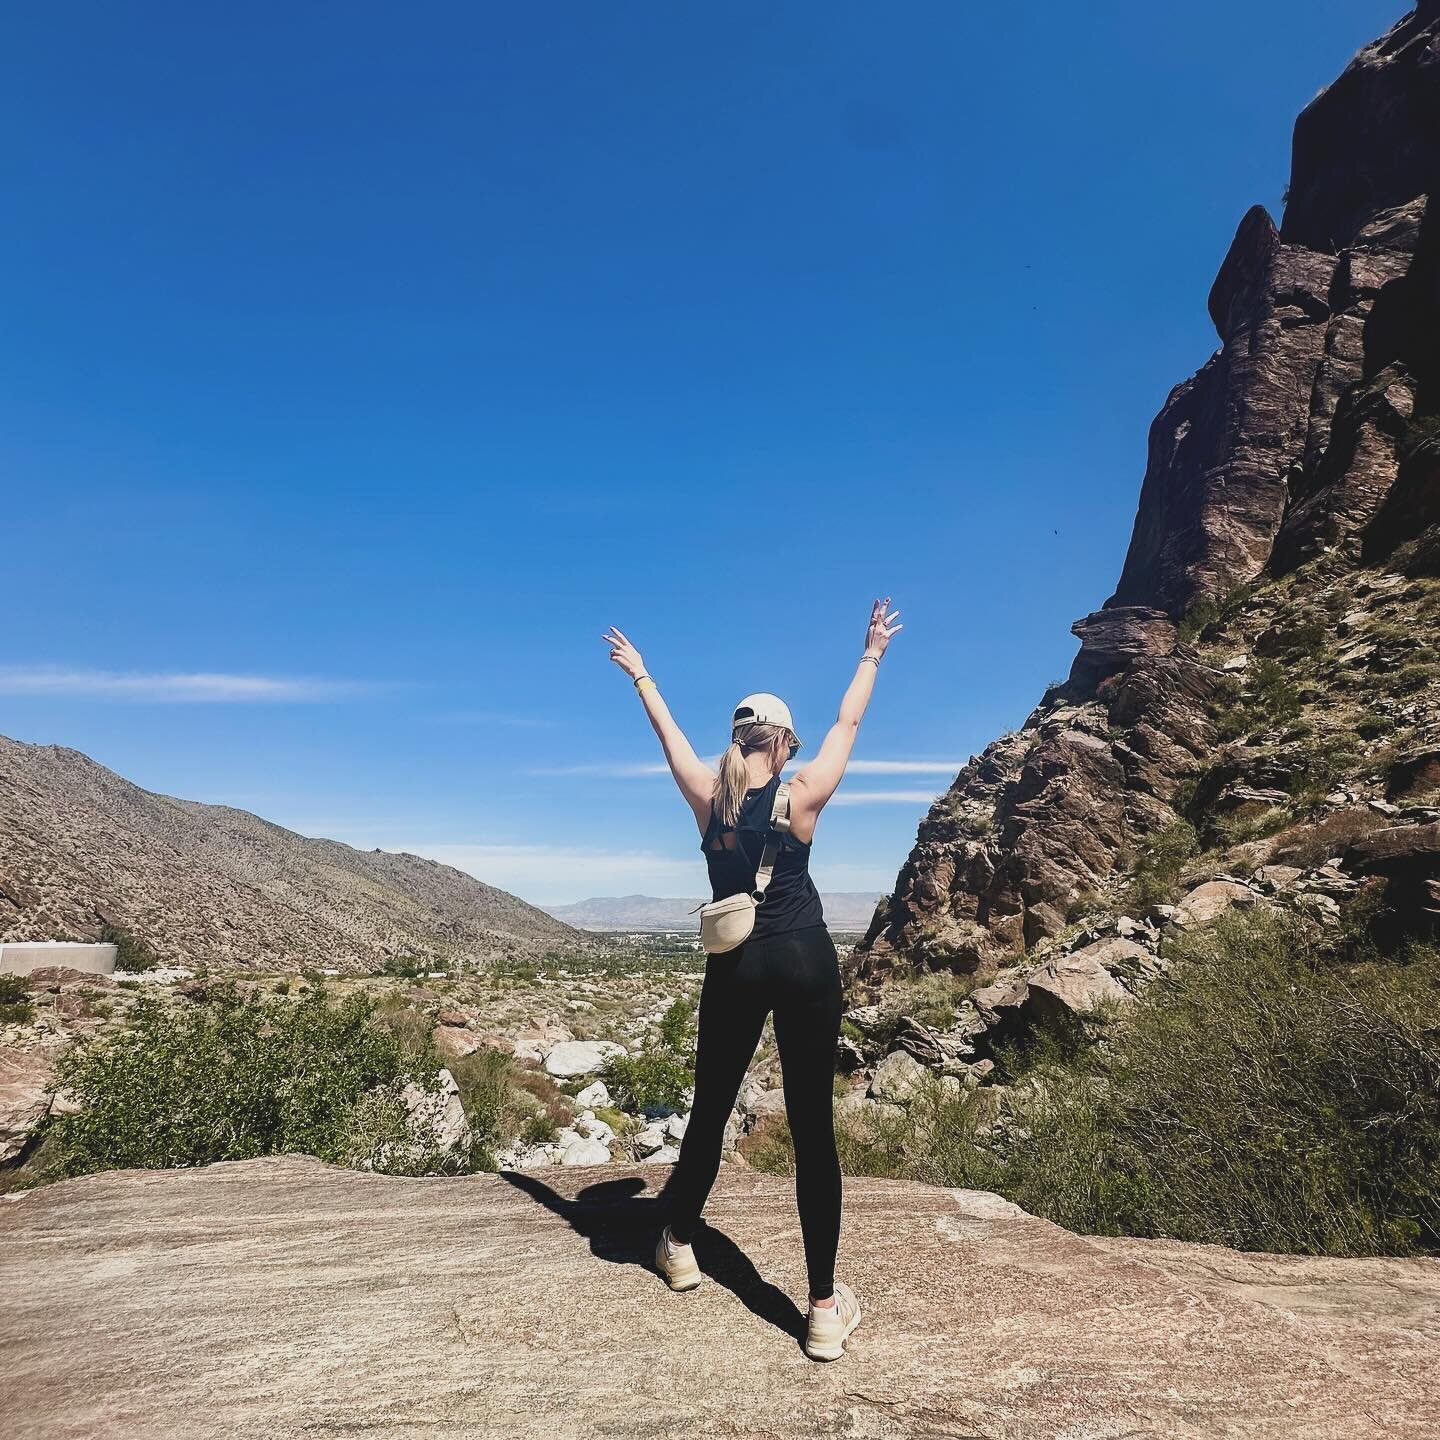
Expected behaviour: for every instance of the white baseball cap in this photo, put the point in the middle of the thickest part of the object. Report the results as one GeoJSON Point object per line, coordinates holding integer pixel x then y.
{"type": "Point", "coordinates": [762, 708]}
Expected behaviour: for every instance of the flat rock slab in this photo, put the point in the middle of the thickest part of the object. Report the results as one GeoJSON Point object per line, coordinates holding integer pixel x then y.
{"type": "Point", "coordinates": [282, 1297]}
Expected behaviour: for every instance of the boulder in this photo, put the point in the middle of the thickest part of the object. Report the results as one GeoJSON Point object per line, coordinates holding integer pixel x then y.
{"type": "Point", "coordinates": [437, 1118]}
{"type": "Point", "coordinates": [572, 1058]}
{"type": "Point", "coordinates": [1397, 850]}
{"type": "Point", "coordinates": [897, 1078]}
{"type": "Point", "coordinates": [25, 1077]}
{"type": "Point", "coordinates": [454, 1044]}
{"type": "Point", "coordinates": [581, 1151]}
{"type": "Point", "coordinates": [1072, 986]}
{"type": "Point", "coordinates": [1209, 901]}
{"type": "Point", "coordinates": [650, 1139]}
{"type": "Point", "coordinates": [231, 1272]}
{"type": "Point", "coordinates": [768, 1102]}
{"type": "Point", "coordinates": [593, 1095]}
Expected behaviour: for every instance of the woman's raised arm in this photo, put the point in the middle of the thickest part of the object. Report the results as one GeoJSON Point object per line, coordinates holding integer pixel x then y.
{"type": "Point", "coordinates": [694, 777]}
{"type": "Point", "coordinates": [816, 782]}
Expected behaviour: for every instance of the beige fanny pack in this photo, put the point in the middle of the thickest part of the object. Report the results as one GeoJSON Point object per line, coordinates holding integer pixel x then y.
{"type": "Point", "coordinates": [726, 923]}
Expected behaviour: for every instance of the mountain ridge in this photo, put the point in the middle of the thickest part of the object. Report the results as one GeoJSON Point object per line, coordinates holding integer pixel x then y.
{"type": "Point", "coordinates": [844, 910]}
{"type": "Point", "coordinates": [84, 851]}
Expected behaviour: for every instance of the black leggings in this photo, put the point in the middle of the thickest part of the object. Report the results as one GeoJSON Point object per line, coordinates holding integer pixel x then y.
{"type": "Point", "coordinates": [796, 974]}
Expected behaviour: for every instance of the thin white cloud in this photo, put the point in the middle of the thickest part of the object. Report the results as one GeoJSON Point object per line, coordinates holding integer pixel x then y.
{"type": "Point", "coordinates": [882, 797]}
{"type": "Point", "coordinates": [619, 770]}
{"type": "Point", "coordinates": [167, 688]}
{"type": "Point", "coordinates": [563, 874]}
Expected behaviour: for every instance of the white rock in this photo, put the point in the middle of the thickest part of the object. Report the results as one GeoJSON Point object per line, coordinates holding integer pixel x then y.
{"type": "Point", "coordinates": [897, 1077]}
{"type": "Point", "coordinates": [585, 1152]}
{"type": "Point", "coordinates": [572, 1058]}
{"type": "Point", "coordinates": [438, 1117]}
{"type": "Point", "coordinates": [665, 1155]}
{"type": "Point", "coordinates": [593, 1129]}
{"type": "Point", "coordinates": [676, 1125]}
{"type": "Point", "coordinates": [650, 1139]}
{"type": "Point", "coordinates": [769, 1102]}
{"type": "Point", "coordinates": [593, 1095]}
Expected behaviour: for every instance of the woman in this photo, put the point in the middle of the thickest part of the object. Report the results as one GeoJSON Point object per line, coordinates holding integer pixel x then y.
{"type": "Point", "coordinates": [787, 965]}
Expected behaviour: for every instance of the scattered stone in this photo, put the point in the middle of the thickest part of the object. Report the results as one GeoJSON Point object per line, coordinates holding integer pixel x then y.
{"type": "Point", "coordinates": [437, 1117]}
{"type": "Point", "coordinates": [24, 1097]}
{"type": "Point", "coordinates": [592, 1095]}
{"type": "Point", "coordinates": [454, 1044]}
{"type": "Point", "coordinates": [1209, 901]}
{"type": "Point", "coordinates": [582, 1151]}
{"type": "Point", "coordinates": [573, 1058]}
{"type": "Point", "coordinates": [897, 1077]}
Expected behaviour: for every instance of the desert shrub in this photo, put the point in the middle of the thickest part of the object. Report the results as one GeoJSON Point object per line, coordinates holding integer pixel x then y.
{"type": "Point", "coordinates": [654, 1078]}
{"type": "Point", "coordinates": [538, 1129]}
{"type": "Point", "coordinates": [1197, 617]}
{"type": "Point", "coordinates": [930, 996]}
{"type": "Point", "coordinates": [375, 1135]}
{"type": "Point", "coordinates": [411, 1030]}
{"type": "Point", "coordinates": [1264, 1099]}
{"type": "Point", "coordinates": [677, 1027]}
{"type": "Point", "coordinates": [131, 953]}
{"type": "Point", "coordinates": [1157, 871]}
{"type": "Point", "coordinates": [485, 1079]}
{"type": "Point", "coordinates": [1418, 676]}
{"type": "Point", "coordinates": [1275, 697]}
{"type": "Point", "coordinates": [936, 1139]}
{"type": "Point", "coordinates": [16, 1005]}
{"type": "Point", "coordinates": [235, 1078]}
{"type": "Point", "coordinates": [657, 1077]}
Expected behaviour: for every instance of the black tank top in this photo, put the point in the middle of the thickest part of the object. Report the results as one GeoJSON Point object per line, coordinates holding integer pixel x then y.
{"type": "Point", "coordinates": [791, 899]}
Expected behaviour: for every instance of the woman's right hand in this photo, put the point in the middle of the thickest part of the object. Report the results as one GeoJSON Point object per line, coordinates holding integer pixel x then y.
{"type": "Point", "coordinates": [623, 653]}
{"type": "Point", "coordinates": [881, 627]}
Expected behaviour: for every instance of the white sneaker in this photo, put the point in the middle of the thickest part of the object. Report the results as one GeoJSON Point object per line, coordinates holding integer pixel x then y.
{"type": "Point", "coordinates": [676, 1262]}
{"type": "Point", "coordinates": [830, 1327]}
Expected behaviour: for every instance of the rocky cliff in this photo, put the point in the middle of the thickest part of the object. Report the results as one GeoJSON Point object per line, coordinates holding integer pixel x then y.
{"type": "Point", "coordinates": [1273, 631]}
{"type": "Point", "coordinates": [82, 849]}
{"type": "Point", "coordinates": [300, 1300]}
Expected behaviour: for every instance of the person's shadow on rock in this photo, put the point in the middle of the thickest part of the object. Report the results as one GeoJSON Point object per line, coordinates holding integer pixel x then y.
{"type": "Point", "coordinates": [623, 1225]}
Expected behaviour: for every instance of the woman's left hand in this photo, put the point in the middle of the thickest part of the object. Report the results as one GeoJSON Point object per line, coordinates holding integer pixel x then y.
{"type": "Point", "coordinates": [623, 653]}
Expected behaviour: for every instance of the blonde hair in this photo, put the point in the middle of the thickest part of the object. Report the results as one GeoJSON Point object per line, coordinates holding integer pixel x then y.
{"type": "Point", "coordinates": [734, 779]}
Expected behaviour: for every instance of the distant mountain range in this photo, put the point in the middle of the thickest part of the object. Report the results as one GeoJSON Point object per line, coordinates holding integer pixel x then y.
{"type": "Point", "coordinates": [844, 910]}
{"type": "Point", "coordinates": [82, 849]}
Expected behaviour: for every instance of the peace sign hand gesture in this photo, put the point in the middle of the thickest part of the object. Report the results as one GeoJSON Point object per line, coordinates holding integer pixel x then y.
{"type": "Point", "coordinates": [881, 627]}
{"type": "Point", "coordinates": [623, 653]}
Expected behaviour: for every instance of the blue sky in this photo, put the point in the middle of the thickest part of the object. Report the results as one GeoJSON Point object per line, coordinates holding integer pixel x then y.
{"type": "Point", "coordinates": [359, 365]}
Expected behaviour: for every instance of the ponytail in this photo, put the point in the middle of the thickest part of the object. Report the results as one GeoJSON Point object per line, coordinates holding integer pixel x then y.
{"type": "Point", "coordinates": [730, 783]}
{"type": "Point", "coordinates": [734, 778]}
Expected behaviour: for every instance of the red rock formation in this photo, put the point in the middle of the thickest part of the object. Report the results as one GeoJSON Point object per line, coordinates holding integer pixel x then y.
{"type": "Point", "coordinates": [1310, 434]}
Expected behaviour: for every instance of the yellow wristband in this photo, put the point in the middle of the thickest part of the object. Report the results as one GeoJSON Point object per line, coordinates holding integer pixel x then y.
{"type": "Point", "coordinates": [645, 683]}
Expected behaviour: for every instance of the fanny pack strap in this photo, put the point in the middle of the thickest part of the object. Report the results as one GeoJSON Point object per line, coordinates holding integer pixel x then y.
{"type": "Point", "coordinates": [779, 820]}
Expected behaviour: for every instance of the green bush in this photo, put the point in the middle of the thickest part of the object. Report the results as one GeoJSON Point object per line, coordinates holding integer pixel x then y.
{"type": "Point", "coordinates": [1266, 1098]}
{"type": "Point", "coordinates": [16, 1005]}
{"type": "Point", "coordinates": [655, 1078]}
{"type": "Point", "coordinates": [131, 954]}
{"type": "Point", "coordinates": [677, 1027]}
{"type": "Point", "coordinates": [1274, 1093]}
{"type": "Point", "coordinates": [1157, 872]}
{"type": "Point", "coordinates": [231, 1079]}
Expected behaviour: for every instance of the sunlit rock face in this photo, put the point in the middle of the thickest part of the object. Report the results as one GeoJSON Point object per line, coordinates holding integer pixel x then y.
{"type": "Point", "coordinates": [1306, 449]}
